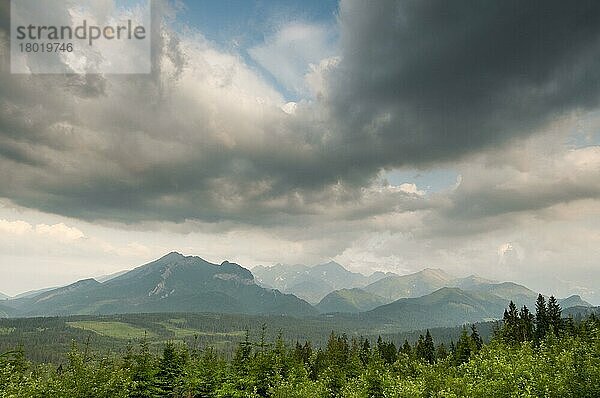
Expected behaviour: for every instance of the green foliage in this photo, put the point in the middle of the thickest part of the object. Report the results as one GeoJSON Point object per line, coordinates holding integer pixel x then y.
{"type": "Point", "coordinates": [554, 316]}
{"type": "Point", "coordinates": [425, 348]}
{"type": "Point", "coordinates": [464, 348]}
{"type": "Point", "coordinates": [541, 318]}
{"type": "Point", "coordinates": [522, 326]}
{"type": "Point", "coordinates": [563, 364]}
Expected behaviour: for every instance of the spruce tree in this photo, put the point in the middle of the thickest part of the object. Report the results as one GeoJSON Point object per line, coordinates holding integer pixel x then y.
{"type": "Point", "coordinates": [387, 352]}
{"type": "Point", "coordinates": [242, 355]}
{"type": "Point", "coordinates": [144, 373]}
{"type": "Point", "coordinates": [420, 347]}
{"type": "Point", "coordinates": [318, 363]}
{"type": "Point", "coordinates": [541, 318]}
{"type": "Point", "coordinates": [510, 330]}
{"type": "Point", "coordinates": [429, 348]}
{"type": "Point", "coordinates": [298, 354]}
{"type": "Point", "coordinates": [337, 350]}
{"type": "Point", "coordinates": [302, 353]}
{"type": "Point", "coordinates": [406, 349]}
{"type": "Point", "coordinates": [379, 344]}
{"type": "Point", "coordinates": [463, 349]}
{"type": "Point", "coordinates": [441, 352]}
{"type": "Point", "coordinates": [207, 373]}
{"type": "Point", "coordinates": [476, 338]}
{"type": "Point", "coordinates": [365, 352]}
{"type": "Point", "coordinates": [169, 378]}
{"type": "Point", "coordinates": [570, 326]}
{"type": "Point", "coordinates": [554, 316]}
{"type": "Point", "coordinates": [525, 324]}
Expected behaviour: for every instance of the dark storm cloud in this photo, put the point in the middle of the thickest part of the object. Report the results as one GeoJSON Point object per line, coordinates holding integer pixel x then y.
{"type": "Point", "coordinates": [491, 201]}
{"type": "Point", "coordinates": [417, 83]}
{"type": "Point", "coordinates": [424, 81]}
{"type": "Point", "coordinates": [562, 179]}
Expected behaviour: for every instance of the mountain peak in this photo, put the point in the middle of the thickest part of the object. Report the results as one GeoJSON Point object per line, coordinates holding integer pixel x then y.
{"type": "Point", "coordinates": [169, 257]}
{"type": "Point", "coordinates": [172, 256]}
{"type": "Point", "coordinates": [173, 283]}
{"type": "Point", "coordinates": [573, 301]}
{"type": "Point", "coordinates": [80, 283]}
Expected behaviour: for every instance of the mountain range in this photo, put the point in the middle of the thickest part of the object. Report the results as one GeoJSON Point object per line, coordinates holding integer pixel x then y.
{"type": "Point", "coordinates": [173, 283]}
{"type": "Point", "coordinates": [394, 287]}
{"type": "Point", "coordinates": [177, 283]}
{"type": "Point", "coordinates": [312, 283]}
{"type": "Point", "coordinates": [426, 282]}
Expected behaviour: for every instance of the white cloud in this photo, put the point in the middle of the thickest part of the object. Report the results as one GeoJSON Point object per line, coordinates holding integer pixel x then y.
{"type": "Point", "coordinates": [411, 188]}
{"type": "Point", "coordinates": [290, 107]}
{"type": "Point", "coordinates": [291, 53]}
{"type": "Point", "coordinates": [17, 227]}
{"type": "Point", "coordinates": [59, 232]}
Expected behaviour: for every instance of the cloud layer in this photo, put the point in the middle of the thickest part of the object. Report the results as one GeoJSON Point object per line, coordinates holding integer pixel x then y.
{"type": "Point", "coordinates": [206, 138]}
{"type": "Point", "coordinates": [422, 82]}
{"type": "Point", "coordinates": [205, 144]}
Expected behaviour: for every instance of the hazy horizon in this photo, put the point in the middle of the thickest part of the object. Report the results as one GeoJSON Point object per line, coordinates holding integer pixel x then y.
{"type": "Point", "coordinates": [120, 272]}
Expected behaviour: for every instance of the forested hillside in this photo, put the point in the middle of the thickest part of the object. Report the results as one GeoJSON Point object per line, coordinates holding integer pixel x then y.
{"type": "Point", "coordinates": [50, 339]}
{"type": "Point", "coordinates": [529, 356]}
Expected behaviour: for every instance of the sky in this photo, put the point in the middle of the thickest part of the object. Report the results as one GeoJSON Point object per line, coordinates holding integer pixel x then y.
{"type": "Point", "coordinates": [388, 135]}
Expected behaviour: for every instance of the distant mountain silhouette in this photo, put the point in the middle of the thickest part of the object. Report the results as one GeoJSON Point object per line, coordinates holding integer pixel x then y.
{"type": "Point", "coordinates": [418, 284]}
{"type": "Point", "coordinates": [173, 283]}
{"type": "Point", "coordinates": [177, 283]}
{"type": "Point", "coordinates": [31, 293]}
{"type": "Point", "coordinates": [312, 283]}
{"type": "Point", "coordinates": [349, 300]}
{"type": "Point", "coordinates": [444, 307]}
{"type": "Point", "coordinates": [573, 301]}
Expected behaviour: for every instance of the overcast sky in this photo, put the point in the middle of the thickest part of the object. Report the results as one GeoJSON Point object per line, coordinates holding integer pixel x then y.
{"type": "Point", "coordinates": [388, 135]}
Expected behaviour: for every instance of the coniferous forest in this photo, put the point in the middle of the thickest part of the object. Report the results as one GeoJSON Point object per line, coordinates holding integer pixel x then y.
{"type": "Point", "coordinates": [529, 355]}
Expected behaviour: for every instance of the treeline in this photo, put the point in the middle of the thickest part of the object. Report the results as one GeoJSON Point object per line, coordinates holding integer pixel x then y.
{"type": "Point", "coordinates": [541, 355]}
{"type": "Point", "coordinates": [48, 340]}
{"type": "Point", "coordinates": [520, 326]}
